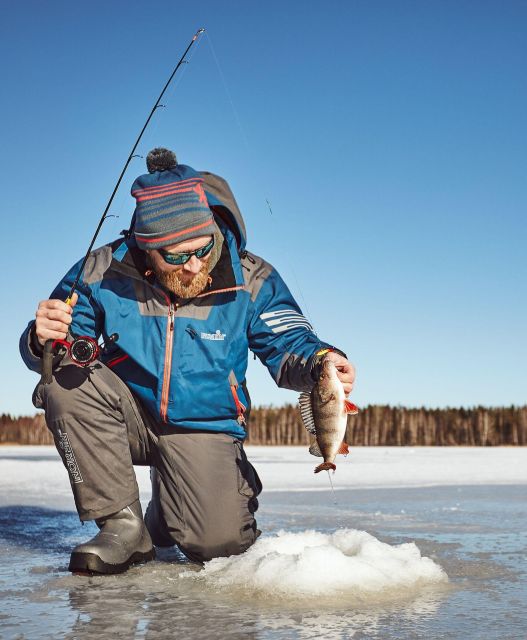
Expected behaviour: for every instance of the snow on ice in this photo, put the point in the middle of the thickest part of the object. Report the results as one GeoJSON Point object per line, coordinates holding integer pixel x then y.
{"type": "Point", "coordinates": [347, 563]}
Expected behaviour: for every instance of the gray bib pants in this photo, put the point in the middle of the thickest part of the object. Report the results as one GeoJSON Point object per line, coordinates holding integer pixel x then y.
{"type": "Point", "coordinates": [203, 487]}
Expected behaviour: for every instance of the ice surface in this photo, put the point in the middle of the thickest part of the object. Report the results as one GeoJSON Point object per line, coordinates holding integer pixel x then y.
{"type": "Point", "coordinates": [42, 480]}
{"type": "Point", "coordinates": [291, 468]}
{"type": "Point", "coordinates": [347, 563]}
{"type": "Point", "coordinates": [462, 509]}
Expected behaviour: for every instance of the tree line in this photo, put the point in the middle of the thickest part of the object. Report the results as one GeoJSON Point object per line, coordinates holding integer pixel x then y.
{"type": "Point", "coordinates": [400, 426]}
{"type": "Point", "coordinates": [374, 425]}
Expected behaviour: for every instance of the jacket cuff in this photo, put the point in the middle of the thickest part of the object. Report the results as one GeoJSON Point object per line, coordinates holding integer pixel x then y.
{"type": "Point", "coordinates": [316, 362]}
{"type": "Point", "coordinates": [31, 354]}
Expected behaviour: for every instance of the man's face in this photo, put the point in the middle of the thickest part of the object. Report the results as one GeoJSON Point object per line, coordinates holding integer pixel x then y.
{"type": "Point", "coordinates": [185, 280]}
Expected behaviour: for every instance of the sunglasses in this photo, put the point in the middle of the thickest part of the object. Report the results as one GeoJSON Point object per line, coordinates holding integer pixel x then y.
{"type": "Point", "coordinates": [183, 258]}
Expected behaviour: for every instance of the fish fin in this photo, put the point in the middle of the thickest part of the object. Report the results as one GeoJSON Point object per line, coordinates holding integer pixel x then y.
{"type": "Point", "coordinates": [314, 450]}
{"type": "Point", "coordinates": [351, 408]}
{"type": "Point", "coordinates": [325, 466]}
{"type": "Point", "coordinates": [344, 448]}
{"type": "Point", "coordinates": [306, 412]}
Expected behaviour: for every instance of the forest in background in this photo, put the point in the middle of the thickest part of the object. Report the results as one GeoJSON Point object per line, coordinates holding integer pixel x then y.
{"type": "Point", "coordinates": [375, 425]}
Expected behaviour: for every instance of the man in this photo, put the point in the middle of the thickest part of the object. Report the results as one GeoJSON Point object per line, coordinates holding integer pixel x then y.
{"type": "Point", "coordinates": [183, 301]}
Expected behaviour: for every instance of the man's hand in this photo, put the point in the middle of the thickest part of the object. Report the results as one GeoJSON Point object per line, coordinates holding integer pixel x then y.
{"type": "Point", "coordinates": [345, 370]}
{"type": "Point", "coordinates": [53, 318]}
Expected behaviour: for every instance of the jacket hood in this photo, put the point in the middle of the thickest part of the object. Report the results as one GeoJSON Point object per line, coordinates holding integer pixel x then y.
{"type": "Point", "coordinates": [224, 206]}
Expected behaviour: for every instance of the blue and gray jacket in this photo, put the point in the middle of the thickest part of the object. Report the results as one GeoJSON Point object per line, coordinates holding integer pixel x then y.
{"type": "Point", "coordinates": [186, 360]}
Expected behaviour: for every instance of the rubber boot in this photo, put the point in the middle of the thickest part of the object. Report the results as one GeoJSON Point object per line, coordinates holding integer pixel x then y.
{"type": "Point", "coordinates": [123, 540]}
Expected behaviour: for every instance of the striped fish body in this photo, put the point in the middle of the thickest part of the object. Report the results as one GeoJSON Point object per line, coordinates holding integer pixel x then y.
{"type": "Point", "coordinates": [324, 413]}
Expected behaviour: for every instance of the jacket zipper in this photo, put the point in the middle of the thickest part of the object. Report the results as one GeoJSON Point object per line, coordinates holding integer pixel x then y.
{"type": "Point", "coordinates": [168, 360]}
{"type": "Point", "coordinates": [240, 407]}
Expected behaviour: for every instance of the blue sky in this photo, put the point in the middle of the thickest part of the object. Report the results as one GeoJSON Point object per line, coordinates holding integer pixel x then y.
{"type": "Point", "coordinates": [388, 136]}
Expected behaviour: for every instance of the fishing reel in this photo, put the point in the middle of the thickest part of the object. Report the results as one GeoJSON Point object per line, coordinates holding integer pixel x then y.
{"type": "Point", "coordinates": [82, 351]}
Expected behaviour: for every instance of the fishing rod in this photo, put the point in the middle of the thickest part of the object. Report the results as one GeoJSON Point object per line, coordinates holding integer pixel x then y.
{"type": "Point", "coordinates": [132, 152]}
{"type": "Point", "coordinates": [84, 349]}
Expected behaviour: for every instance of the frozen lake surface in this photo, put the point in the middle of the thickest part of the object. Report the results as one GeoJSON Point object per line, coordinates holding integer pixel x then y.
{"type": "Point", "coordinates": [414, 543]}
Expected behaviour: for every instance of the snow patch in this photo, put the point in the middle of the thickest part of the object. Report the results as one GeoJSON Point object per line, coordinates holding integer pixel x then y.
{"type": "Point", "coordinates": [313, 564]}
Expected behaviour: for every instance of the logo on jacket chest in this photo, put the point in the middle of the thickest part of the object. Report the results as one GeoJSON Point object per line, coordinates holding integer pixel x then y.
{"type": "Point", "coordinates": [218, 335]}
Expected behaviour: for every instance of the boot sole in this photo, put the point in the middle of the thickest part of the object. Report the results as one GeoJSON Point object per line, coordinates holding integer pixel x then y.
{"type": "Point", "coordinates": [89, 563]}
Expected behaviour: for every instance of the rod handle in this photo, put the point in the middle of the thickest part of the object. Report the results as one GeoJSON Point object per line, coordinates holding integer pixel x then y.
{"type": "Point", "coordinates": [47, 363]}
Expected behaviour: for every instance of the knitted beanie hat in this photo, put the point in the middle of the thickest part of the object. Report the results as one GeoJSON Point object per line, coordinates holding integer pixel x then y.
{"type": "Point", "coordinates": [171, 205]}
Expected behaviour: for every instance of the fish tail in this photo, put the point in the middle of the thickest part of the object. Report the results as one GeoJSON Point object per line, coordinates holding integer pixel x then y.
{"type": "Point", "coordinates": [325, 466]}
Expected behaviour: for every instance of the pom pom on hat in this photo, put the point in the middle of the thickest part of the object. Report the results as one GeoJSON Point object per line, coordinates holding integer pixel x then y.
{"type": "Point", "coordinates": [160, 159]}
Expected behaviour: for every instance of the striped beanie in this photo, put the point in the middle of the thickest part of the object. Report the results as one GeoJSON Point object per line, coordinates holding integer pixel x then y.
{"type": "Point", "coordinates": [171, 207]}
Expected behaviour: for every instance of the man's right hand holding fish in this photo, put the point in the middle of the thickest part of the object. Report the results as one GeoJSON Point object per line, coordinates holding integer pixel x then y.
{"type": "Point", "coordinates": [345, 370]}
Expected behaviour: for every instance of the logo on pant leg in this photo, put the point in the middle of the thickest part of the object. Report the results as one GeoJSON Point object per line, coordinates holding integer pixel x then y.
{"type": "Point", "coordinates": [69, 456]}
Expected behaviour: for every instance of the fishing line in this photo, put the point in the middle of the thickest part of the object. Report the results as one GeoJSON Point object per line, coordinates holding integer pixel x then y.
{"type": "Point", "coordinates": [222, 76]}
{"type": "Point", "coordinates": [250, 151]}
{"type": "Point", "coordinates": [332, 488]}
